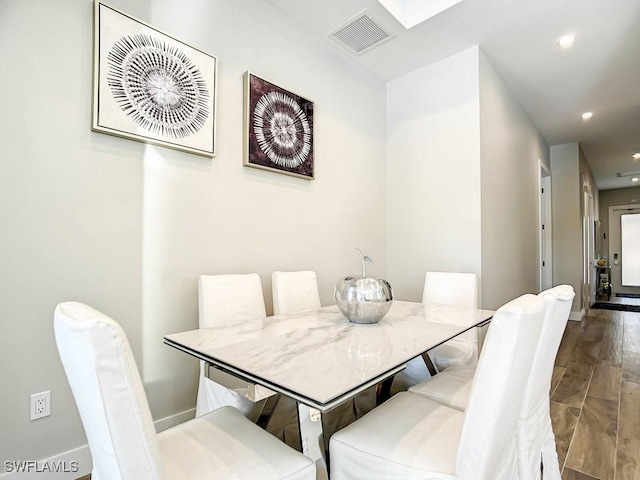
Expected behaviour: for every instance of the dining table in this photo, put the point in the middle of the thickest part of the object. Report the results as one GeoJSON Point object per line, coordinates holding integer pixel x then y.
{"type": "Point", "coordinates": [321, 359]}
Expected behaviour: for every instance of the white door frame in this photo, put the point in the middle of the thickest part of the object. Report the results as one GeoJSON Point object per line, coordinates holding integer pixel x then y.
{"type": "Point", "coordinates": [588, 254]}
{"type": "Point", "coordinates": [614, 232]}
{"type": "Point", "coordinates": [545, 238]}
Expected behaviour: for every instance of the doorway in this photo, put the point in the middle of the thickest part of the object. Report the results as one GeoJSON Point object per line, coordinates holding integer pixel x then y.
{"type": "Point", "coordinates": [588, 248]}
{"type": "Point", "coordinates": [545, 274]}
{"type": "Point", "coordinates": [623, 290]}
{"type": "Point", "coordinates": [623, 295]}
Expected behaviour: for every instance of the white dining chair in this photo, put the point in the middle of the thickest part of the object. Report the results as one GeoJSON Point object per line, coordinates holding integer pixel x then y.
{"type": "Point", "coordinates": [535, 439]}
{"type": "Point", "coordinates": [225, 299]}
{"type": "Point", "coordinates": [294, 292]}
{"type": "Point", "coordinates": [116, 417]}
{"type": "Point", "coordinates": [459, 290]}
{"type": "Point", "coordinates": [411, 437]}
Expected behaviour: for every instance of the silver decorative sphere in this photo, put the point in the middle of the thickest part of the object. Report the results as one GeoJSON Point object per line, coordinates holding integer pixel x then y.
{"type": "Point", "coordinates": [363, 299]}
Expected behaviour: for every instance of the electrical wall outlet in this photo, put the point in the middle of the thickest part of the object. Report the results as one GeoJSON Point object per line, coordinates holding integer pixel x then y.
{"type": "Point", "coordinates": [40, 405]}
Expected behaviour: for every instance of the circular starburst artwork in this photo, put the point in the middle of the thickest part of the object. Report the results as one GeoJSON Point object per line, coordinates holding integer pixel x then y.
{"type": "Point", "coordinates": [158, 86]}
{"type": "Point", "coordinates": [282, 129]}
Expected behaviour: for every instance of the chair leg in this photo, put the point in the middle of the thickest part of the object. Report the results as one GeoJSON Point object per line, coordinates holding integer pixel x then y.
{"type": "Point", "coordinates": [429, 363]}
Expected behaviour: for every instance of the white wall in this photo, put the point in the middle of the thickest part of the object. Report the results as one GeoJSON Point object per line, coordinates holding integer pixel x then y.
{"type": "Point", "coordinates": [71, 216]}
{"type": "Point", "coordinates": [128, 228]}
{"type": "Point", "coordinates": [216, 216]}
{"type": "Point", "coordinates": [510, 147]}
{"type": "Point", "coordinates": [433, 172]}
{"type": "Point", "coordinates": [567, 220]}
{"type": "Point", "coordinates": [462, 176]}
{"type": "Point", "coordinates": [570, 175]}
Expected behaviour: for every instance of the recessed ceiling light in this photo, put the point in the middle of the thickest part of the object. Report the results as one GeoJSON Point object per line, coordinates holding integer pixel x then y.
{"type": "Point", "coordinates": [566, 41]}
{"type": "Point", "coordinates": [635, 179]}
{"type": "Point", "coordinates": [636, 156]}
{"type": "Point", "coordinates": [587, 116]}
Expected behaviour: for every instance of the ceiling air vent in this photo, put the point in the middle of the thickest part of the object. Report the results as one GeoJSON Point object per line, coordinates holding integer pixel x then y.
{"type": "Point", "coordinates": [360, 34]}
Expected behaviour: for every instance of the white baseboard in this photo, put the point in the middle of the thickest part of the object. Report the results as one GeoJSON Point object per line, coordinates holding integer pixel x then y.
{"type": "Point", "coordinates": [76, 462]}
{"type": "Point", "coordinates": [173, 420]}
{"type": "Point", "coordinates": [577, 316]}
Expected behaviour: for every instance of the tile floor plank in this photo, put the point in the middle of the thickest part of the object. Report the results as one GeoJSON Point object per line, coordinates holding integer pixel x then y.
{"type": "Point", "coordinates": [593, 447]}
{"type": "Point", "coordinates": [594, 328]}
{"type": "Point", "coordinates": [631, 341]}
{"type": "Point", "coordinates": [631, 366]}
{"type": "Point", "coordinates": [572, 388]}
{"type": "Point", "coordinates": [611, 345]}
{"type": "Point", "coordinates": [570, 341]}
{"type": "Point", "coordinates": [587, 352]}
{"type": "Point", "coordinates": [558, 372]}
{"type": "Point", "coordinates": [628, 464]}
{"type": "Point", "coordinates": [568, 474]}
{"type": "Point", "coordinates": [563, 420]}
{"type": "Point", "coordinates": [629, 411]}
{"type": "Point", "coordinates": [605, 382]}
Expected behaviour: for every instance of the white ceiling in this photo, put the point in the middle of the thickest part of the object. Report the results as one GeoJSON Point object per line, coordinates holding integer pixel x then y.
{"type": "Point", "coordinates": [601, 73]}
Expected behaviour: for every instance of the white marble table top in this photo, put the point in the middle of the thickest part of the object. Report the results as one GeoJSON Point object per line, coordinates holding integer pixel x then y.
{"type": "Point", "coordinates": [320, 358]}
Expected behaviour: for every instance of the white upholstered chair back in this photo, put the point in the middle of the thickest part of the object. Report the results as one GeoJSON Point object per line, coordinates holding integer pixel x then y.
{"type": "Point", "coordinates": [225, 299]}
{"type": "Point", "coordinates": [534, 430]}
{"type": "Point", "coordinates": [230, 298]}
{"type": "Point", "coordinates": [459, 290]}
{"type": "Point", "coordinates": [294, 292]}
{"type": "Point", "coordinates": [448, 288]}
{"type": "Point", "coordinates": [109, 394]}
{"type": "Point", "coordinates": [487, 448]}
{"type": "Point", "coordinates": [558, 302]}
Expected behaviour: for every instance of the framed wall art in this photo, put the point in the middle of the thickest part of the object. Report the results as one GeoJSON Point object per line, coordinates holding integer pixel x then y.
{"type": "Point", "coordinates": [151, 87]}
{"type": "Point", "coordinates": [278, 129]}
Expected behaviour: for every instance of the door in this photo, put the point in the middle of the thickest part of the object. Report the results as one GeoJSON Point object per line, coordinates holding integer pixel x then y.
{"type": "Point", "coordinates": [630, 234]}
{"type": "Point", "coordinates": [617, 256]}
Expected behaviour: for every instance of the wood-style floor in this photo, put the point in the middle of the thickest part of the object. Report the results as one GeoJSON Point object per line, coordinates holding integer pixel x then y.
{"type": "Point", "coordinates": [595, 397]}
